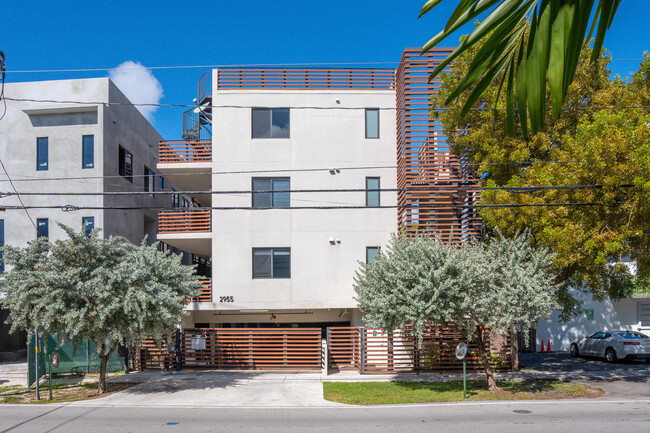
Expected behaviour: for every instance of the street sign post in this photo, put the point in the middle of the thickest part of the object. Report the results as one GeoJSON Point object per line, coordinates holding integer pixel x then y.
{"type": "Point", "coordinates": [461, 353]}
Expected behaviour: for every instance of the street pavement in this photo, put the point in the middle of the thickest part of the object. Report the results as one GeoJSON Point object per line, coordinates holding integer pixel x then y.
{"type": "Point", "coordinates": [530, 417]}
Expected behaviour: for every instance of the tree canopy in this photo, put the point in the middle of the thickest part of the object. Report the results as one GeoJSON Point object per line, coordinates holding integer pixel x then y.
{"type": "Point", "coordinates": [601, 155]}
{"type": "Point", "coordinates": [501, 285]}
{"type": "Point", "coordinates": [528, 46]}
{"type": "Point", "coordinates": [108, 290]}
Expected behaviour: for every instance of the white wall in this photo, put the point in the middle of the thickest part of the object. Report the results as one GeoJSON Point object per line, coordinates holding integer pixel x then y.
{"type": "Point", "coordinates": [609, 315]}
{"type": "Point", "coordinates": [321, 273]}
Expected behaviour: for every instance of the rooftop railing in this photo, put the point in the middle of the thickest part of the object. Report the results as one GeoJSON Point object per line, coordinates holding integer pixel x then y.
{"type": "Point", "coordinates": [184, 151]}
{"type": "Point", "coordinates": [306, 78]}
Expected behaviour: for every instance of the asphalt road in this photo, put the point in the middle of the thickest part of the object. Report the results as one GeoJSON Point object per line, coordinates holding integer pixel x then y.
{"type": "Point", "coordinates": [529, 417]}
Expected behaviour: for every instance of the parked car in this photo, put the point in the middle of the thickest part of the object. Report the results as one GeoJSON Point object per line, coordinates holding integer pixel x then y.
{"type": "Point", "coordinates": [613, 345]}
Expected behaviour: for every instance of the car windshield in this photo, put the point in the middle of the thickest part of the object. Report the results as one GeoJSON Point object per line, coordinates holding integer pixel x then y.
{"type": "Point", "coordinates": [632, 335]}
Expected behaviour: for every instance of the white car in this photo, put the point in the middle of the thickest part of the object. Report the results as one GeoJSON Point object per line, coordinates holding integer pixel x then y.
{"type": "Point", "coordinates": [613, 345]}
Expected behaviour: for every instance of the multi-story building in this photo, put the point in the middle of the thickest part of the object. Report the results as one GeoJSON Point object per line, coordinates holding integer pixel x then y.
{"type": "Point", "coordinates": [299, 181]}
{"type": "Point", "coordinates": [95, 143]}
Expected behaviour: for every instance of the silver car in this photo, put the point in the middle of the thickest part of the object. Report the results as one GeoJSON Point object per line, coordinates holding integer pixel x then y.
{"type": "Point", "coordinates": [613, 345]}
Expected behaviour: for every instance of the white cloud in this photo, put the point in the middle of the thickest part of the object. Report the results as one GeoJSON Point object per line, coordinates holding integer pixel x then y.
{"type": "Point", "coordinates": [139, 85]}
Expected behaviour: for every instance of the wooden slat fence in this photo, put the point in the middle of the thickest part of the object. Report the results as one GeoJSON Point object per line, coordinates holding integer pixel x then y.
{"type": "Point", "coordinates": [193, 221]}
{"type": "Point", "coordinates": [306, 78]}
{"type": "Point", "coordinates": [254, 349]}
{"type": "Point", "coordinates": [205, 292]}
{"type": "Point", "coordinates": [149, 356]}
{"type": "Point", "coordinates": [374, 351]}
{"type": "Point", "coordinates": [184, 151]}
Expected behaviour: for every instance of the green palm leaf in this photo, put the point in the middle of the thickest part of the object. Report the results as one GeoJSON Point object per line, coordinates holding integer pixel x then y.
{"type": "Point", "coordinates": [525, 60]}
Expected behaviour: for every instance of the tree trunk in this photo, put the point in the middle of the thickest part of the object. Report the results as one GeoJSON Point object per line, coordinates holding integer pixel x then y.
{"type": "Point", "coordinates": [485, 360]}
{"type": "Point", "coordinates": [514, 351]}
{"type": "Point", "coordinates": [103, 358]}
{"type": "Point", "coordinates": [103, 363]}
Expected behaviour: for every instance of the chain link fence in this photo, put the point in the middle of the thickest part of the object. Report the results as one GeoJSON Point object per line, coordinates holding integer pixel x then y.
{"type": "Point", "coordinates": [81, 358]}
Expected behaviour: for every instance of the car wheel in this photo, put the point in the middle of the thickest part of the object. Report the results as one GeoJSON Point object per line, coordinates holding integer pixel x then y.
{"type": "Point", "coordinates": [610, 355]}
{"type": "Point", "coordinates": [574, 351]}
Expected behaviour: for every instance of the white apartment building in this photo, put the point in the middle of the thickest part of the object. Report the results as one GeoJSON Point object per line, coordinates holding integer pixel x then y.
{"type": "Point", "coordinates": [283, 258]}
{"type": "Point", "coordinates": [77, 147]}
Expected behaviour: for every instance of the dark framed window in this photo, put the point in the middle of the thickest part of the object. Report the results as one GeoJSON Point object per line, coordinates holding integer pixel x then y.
{"type": "Point", "coordinates": [149, 180]}
{"type": "Point", "coordinates": [125, 165]}
{"type": "Point", "coordinates": [371, 254]}
{"type": "Point", "coordinates": [271, 262]}
{"type": "Point", "coordinates": [42, 228]}
{"type": "Point", "coordinates": [88, 151]}
{"type": "Point", "coordinates": [372, 192]}
{"type": "Point", "coordinates": [2, 244]}
{"type": "Point", "coordinates": [271, 123]}
{"type": "Point", "coordinates": [88, 224]}
{"type": "Point", "coordinates": [42, 154]}
{"type": "Point", "coordinates": [161, 183]}
{"type": "Point", "coordinates": [372, 122]}
{"type": "Point", "coordinates": [273, 192]}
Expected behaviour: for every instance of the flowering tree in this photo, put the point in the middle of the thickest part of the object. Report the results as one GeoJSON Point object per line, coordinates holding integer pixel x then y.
{"type": "Point", "coordinates": [108, 290]}
{"type": "Point", "coordinates": [498, 285]}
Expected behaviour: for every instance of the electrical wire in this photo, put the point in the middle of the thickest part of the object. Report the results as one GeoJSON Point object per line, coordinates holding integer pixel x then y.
{"type": "Point", "coordinates": [16, 191]}
{"type": "Point", "coordinates": [413, 189]}
{"type": "Point", "coordinates": [54, 101]}
{"type": "Point", "coordinates": [251, 65]}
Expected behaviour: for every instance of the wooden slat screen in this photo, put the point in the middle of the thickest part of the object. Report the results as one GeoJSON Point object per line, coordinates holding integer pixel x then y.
{"type": "Point", "coordinates": [184, 151]}
{"type": "Point", "coordinates": [152, 357]}
{"type": "Point", "coordinates": [425, 161]}
{"type": "Point", "coordinates": [254, 349]}
{"type": "Point", "coordinates": [397, 352]}
{"type": "Point", "coordinates": [193, 221]}
{"type": "Point", "coordinates": [205, 294]}
{"type": "Point", "coordinates": [306, 78]}
{"type": "Point", "coordinates": [343, 345]}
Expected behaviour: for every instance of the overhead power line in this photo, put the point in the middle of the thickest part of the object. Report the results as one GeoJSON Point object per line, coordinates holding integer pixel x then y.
{"type": "Point", "coordinates": [413, 189]}
{"type": "Point", "coordinates": [16, 192]}
{"type": "Point", "coordinates": [54, 101]}
{"type": "Point", "coordinates": [72, 208]}
{"type": "Point", "coordinates": [250, 65]}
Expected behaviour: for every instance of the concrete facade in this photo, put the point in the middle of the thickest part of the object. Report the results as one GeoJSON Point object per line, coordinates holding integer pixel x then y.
{"type": "Point", "coordinates": [326, 244]}
{"type": "Point", "coordinates": [64, 124]}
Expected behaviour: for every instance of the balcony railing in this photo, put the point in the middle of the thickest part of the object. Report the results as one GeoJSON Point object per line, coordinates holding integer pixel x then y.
{"type": "Point", "coordinates": [193, 221]}
{"type": "Point", "coordinates": [205, 292]}
{"type": "Point", "coordinates": [184, 151]}
{"type": "Point", "coordinates": [306, 78]}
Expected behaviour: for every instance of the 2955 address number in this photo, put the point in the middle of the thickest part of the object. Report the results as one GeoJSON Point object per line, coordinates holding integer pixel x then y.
{"type": "Point", "coordinates": [226, 299]}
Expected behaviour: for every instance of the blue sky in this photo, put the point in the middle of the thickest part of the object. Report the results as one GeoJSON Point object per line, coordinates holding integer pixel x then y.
{"type": "Point", "coordinates": [92, 34]}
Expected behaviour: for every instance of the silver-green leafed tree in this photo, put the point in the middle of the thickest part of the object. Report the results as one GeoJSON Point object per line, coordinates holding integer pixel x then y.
{"type": "Point", "coordinates": [108, 290]}
{"type": "Point", "coordinates": [499, 285]}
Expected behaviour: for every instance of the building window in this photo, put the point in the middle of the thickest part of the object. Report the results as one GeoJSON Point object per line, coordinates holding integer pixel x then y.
{"type": "Point", "coordinates": [161, 183]}
{"type": "Point", "coordinates": [88, 151]}
{"type": "Point", "coordinates": [149, 180]}
{"type": "Point", "coordinates": [42, 228]}
{"type": "Point", "coordinates": [371, 254]}
{"type": "Point", "coordinates": [126, 164]}
{"type": "Point", "coordinates": [372, 123]}
{"type": "Point", "coordinates": [270, 122]}
{"type": "Point", "coordinates": [2, 244]}
{"type": "Point", "coordinates": [41, 154]}
{"type": "Point", "coordinates": [88, 224]}
{"type": "Point", "coordinates": [274, 192]}
{"type": "Point", "coordinates": [372, 192]}
{"type": "Point", "coordinates": [271, 263]}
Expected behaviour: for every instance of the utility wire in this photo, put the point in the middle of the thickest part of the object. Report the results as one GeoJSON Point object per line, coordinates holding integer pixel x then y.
{"type": "Point", "coordinates": [251, 65]}
{"type": "Point", "coordinates": [414, 189]}
{"type": "Point", "coordinates": [54, 101]}
{"type": "Point", "coordinates": [16, 191]}
{"type": "Point", "coordinates": [289, 170]}
{"type": "Point", "coordinates": [72, 208]}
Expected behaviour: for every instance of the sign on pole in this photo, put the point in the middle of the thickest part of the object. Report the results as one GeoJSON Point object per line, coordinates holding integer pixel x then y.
{"type": "Point", "coordinates": [461, 353]}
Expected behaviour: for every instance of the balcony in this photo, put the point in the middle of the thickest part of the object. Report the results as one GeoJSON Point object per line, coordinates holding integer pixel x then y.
{"type": "Point", "coordinates": [205, 292]}
{"type": "Point", "coordinates": [187, 230]}
{"type": "Point", "coordinates": [179, 152]}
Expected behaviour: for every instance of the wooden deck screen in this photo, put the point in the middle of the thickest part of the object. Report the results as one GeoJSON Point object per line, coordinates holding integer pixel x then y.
{"type": "Point", "coordinates": [253, 349]}
{"type": "Point", "coordinates": [428, 174]}
{"type": "Point", "coordinates": [375, 351]}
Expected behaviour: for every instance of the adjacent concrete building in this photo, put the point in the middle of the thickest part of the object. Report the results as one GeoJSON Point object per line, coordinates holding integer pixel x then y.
{"type": "Point", "coordinates": [95, 146]}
